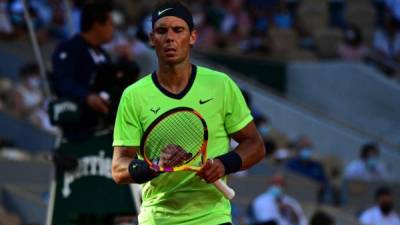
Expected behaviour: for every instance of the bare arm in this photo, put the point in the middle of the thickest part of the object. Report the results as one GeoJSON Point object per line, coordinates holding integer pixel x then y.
{"type": "Point", "coordinates": [122, 156]}
{"type": "Point", "coordinates": [250, 149]}
{"type": "Point", "coordinates": [251, 146]}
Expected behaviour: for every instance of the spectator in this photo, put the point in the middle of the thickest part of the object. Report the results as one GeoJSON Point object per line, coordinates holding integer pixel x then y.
{"type": "Point", "coordinates": [5, 23]}
{"type": "Point", "coordinates": [394, 8]}
{"type": "Point", "coordinates": [130, 49]}
{"type": "Point", "coordinates": [336, 13]}
{"type": "Point", "coordinates": [304, 165]}
{"type": "Point", "coordinates": [383, 212]}
{"type": "Point", "coordinates": [28, 98]}
{"type": "Point", "coordinates": [367, 167]}
{"type": "Point", "coordinates": [387, 41]}
{"type": "Point", "coordinates": [283, 18]}
{"type": "Point", "coordinates": [6, 87]}
{"type": "Point", "coordinates": [380, 9]}
{"type": "Point", "coordinates": [276, 207]}
{"type": "Point", "coordinates": [77, 62]}
{"type": "Point", "coordinates": [293, 6]}
{"type": "Point", "coordinates": [39, 13]}
{"type": "Point", "coordinates": [352, 47]}
{"type": "Point", "coordinates": [386, 46]}
{"type": "Point", "coordinates": [208, 36]}
{"type": "Point", "coordinates": [321, 218]}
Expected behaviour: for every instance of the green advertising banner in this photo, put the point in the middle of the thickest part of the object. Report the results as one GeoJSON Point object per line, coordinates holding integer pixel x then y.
{"type": "Point", "coordinates": [89, 193]}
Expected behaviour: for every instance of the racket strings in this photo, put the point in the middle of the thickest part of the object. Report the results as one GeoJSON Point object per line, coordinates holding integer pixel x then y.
{"type": "Point", "coordinates": [181, 130]}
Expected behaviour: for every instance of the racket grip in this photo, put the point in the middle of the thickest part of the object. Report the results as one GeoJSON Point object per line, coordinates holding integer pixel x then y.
{"type": "Point", "coordinates": [228, 192]}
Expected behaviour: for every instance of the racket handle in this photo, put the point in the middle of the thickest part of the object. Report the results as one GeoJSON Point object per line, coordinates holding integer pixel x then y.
{"type": "Point", "coordinates": [228, 192]}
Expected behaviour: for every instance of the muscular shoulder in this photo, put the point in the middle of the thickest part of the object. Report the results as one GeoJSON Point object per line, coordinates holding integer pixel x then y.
{"type": "Point", "coordinates": [215, 80]}
{"type": "Point", "coordinates": [140, 86]}
{"type": "Point", "coordinates": [212, 75]}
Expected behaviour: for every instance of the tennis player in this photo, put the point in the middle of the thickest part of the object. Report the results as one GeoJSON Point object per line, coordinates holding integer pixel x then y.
{"type": "Point", "coordinates": [183, 197]}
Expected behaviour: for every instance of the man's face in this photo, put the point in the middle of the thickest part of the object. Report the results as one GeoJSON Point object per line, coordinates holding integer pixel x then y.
{"type": "Point", "coordinates": [172, 39]}
{"type": "Point", "coordinates": [105, 31]}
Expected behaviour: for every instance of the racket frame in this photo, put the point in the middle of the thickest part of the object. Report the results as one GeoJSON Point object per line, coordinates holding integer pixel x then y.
{"type": "Point", "coordinates": [185, 167]}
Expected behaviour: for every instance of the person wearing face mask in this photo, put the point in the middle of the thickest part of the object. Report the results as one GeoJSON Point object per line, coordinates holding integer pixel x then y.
{"type": "Point", "coordinates": [368, 167]}
{"type": "Point", "coordinates": [276, 207]}
{"type": "Point", "coordinates": [28, 98]}
{"type": "Point", "coordinates": [382, 213]}
{"type": "Point", "coordinates": [304, 165]}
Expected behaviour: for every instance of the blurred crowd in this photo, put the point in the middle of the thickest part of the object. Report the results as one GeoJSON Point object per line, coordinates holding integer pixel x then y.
{"type": "Point", "coordinates": [359, 30]}
{"type": "Point", "coordinates": [335, 182]}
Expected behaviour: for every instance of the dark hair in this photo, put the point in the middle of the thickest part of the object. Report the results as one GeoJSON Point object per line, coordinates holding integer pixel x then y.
{"type": "Point", "coordinates": [94, 13]}
{"type": "Point", "coordinates": [366, 148]}
{"type": "Point", "coordinates": [353, 35]}
{"type": "Point", "coordinates": [28, 69]}
{"type": "Point", "coordinates": [321, 218]}
{"type": "Point", "coordinates": [382, 191]}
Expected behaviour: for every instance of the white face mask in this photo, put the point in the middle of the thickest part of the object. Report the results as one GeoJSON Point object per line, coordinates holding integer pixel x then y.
{"type": "Point", "coordinates": [276, 191]}
{"type": "Point", "coordinates": [34, 82]}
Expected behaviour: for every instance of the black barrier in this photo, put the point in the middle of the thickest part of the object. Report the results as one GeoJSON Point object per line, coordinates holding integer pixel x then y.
{"type": "Point", "coordinates": [88, 195]}
{"type": "Point", "coordinates": [270, 73]}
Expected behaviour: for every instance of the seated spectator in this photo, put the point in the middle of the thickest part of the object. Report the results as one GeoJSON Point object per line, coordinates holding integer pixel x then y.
{"type": "Point", "coordinates": [282, 17]}
{"type": "Point", "coordinates": [394, 8]}
{"type": "Point", "coordinates": [276, 207]}
{"type": "Point", "coordinates": [387, 41]}
{"type": "Point", "coordinates": [5, 23]}
{"type": "Point", "coordinates": [352, 47]}
{"type": "Point", "coordinates": [303, 162]}
{"type": "Point", "coordinates": [367, 167]}
{"type": "Point", "coordinates": [293, 6]}
{"type": "Point", "coordinates": [321, 218]}
{"type": "Point", "coordinates": [28, 95]}
{"type": "Point", "coordinates": [39, 13]}
{"type": "Point", "coordinates": [304, 165]}
{"type": "Point", "coordinates": [6, 86]}
{"type": "Point", "coordinates": [336, 13]}
{"type": "Point", "coordinates": [208, 35]}
{"type": "Point", "coordinates": [382, 213]}
{"type": "Point", "coordinates": [380, 11]}
{"type": "Point", "coordinates": [28, 98]}
{"type": "Point", "coordinates": [386, 49]}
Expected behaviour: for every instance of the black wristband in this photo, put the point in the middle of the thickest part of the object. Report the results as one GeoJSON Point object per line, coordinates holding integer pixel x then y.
{"type": "Point", "coordinates": [232, 162]}
{"type": "Point", "coordinates": [141, 172]}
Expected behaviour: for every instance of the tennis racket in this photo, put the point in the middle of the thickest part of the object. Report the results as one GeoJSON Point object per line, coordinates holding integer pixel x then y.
{"type": "Point", "coordinates": [181, 133]}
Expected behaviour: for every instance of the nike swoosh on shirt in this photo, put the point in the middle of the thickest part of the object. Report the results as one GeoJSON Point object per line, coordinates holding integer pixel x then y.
{"type": "Point", "coordinates": [162, 11]}
{"type": "Point", "coordinates": [205, 101]}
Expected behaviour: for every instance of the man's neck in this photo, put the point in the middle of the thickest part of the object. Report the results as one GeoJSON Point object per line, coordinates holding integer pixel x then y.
{"type": "Point", "coordinates": [174, 78]}
{"type": "Point", "coordinates": [91, 38]}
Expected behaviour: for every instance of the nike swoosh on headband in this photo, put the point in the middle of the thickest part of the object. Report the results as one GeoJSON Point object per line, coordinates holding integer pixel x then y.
{"type": "Point", "coordinates": [162, 11]}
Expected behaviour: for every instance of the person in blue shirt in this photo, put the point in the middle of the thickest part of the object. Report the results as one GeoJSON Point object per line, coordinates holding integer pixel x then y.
{"type": "Point", "coordinates": [304, 165]}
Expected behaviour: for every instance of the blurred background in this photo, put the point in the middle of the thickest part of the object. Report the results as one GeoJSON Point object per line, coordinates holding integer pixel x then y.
{"type": "Point", "coordinates": [322, 78]}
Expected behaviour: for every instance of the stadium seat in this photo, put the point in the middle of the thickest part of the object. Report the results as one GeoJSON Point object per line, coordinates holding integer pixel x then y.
{"type": "Point", "coordinates": [283, 41]}
{"type": "Point", "coordinates": [362, 15]}
{"type": "Point", "coordinates": [313, 17]}
{"type": "Point", "coordinates": [327, 41]}
{"type": "Point", "coordinates": [360, 194]}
